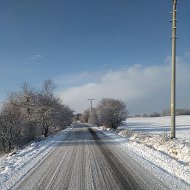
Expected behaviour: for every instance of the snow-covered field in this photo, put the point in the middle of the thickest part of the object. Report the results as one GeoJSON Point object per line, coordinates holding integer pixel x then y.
{"type": "Point", "coordinates": [150, 138]}
{"type": "Point", "coordinates": [160, 125]}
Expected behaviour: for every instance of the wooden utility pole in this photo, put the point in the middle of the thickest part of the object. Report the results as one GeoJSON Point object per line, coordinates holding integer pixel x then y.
{"type": "Point", "coordinates": [173, 77]}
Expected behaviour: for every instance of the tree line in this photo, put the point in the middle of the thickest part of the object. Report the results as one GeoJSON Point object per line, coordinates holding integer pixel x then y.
{"type": "Point", "coordinates": [31, 114]}
{"type": "Point", "coordinates": [166, 112]}
{"type": "Point", "coordinates": [109, 113]}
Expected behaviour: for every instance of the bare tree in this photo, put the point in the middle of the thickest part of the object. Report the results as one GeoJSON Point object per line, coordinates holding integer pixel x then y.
{"type": "Point", "coordinates": [28, 105]}
{"type": "Point", "coordinates": [51, 112]}
{"type": "Point", "coordinates": [30, 114]}
{"type": "Point", "coordinates": [10, 120]}
{"type": "Point", "coordinates": [77, 117]}
{"type": "Point", "coordinates": [48, 88]}
{"type": "Point", "coordinates": [64, 116]}
{"type": "Point", "coordinates": [44, 114]}
{"type": "Point", "coordinates": [47, 107]}
{"type": "Point", "coordinates": [93, 117]}
{"type": "Point", "coordinates": [111, 112]}
{"type": "Point", "coordinates": [85, 116]}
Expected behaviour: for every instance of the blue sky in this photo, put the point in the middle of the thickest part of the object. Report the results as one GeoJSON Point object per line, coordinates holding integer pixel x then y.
{"type": "Point", "coordinates": [78, 43]}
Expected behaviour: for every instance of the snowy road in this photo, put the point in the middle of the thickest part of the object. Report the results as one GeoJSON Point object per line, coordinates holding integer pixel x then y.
{"type": "Point", "coordinates": [87, 159]}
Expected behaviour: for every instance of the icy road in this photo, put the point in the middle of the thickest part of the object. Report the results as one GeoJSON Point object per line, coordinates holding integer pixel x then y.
{"type": "Point", "coordinates": [88, 159]}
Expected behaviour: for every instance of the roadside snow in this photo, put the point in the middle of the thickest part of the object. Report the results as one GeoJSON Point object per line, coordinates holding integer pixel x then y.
{"type": "Point", "coordinates": [149, 138]}
{"type": "Point", "coordinates": [146, 137]}
{"type": "Point", "coordinates": [14, 166]}
{"type": "Point", "coordinates": [167, 169]}
{"type": "Point", "coordinates": [177, 149]}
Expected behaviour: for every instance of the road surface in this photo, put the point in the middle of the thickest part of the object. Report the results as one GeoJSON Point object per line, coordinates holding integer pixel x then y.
{"type": "Point", "coordinates": [89, 160]}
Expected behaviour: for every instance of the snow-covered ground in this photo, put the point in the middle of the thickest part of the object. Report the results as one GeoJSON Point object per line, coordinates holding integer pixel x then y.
{"type": "Point", "coordinates": [160, 125]}
{"type": "Point", "coordinates": [176, 174]}
{"type": "Point", "coordinates": [149, 138]}
{"type": "Point", "coordinates": [146, 137]}
{"type": "Point", "coordinates": [15, 165]}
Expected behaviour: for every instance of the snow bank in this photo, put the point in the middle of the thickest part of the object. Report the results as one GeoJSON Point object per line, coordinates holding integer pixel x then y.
{"type": "Point", "coordinates": [177, 148]}
{"type": "Point", "coordinates": [14, 166]}
{"type": "Point", "coordinates": [175, 173]}
{"type": "Point", "coordinates": [171, 155]}
{"type": "Point", "coordinates": [149, 138]}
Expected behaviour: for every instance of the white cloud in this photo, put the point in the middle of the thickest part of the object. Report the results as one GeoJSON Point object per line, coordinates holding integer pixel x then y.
{"type": "Point", "coordinates": [78, 79]}
{"type": "Point", "coordinates": [36, 58]}
{"type": "Point", "coordinates": [144, 89]}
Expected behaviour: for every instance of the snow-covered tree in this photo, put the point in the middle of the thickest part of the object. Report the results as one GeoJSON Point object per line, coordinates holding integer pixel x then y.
{"type": "Point", "coordinates": [93, 117]}
{"type": "Point", "coordinates": [85, 116]}
{"type": "Point", "coordinates": [10, 123]}
{"type": "Point", "coordinates": [111, 112]}
{"type": "Point", "coordinates": [30, 114]}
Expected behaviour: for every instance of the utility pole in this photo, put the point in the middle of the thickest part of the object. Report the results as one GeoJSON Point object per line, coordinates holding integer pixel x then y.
{"type": "Point", "coordinates": [90, 99]}
{"type": "Point", "coordinates": [173, 75]}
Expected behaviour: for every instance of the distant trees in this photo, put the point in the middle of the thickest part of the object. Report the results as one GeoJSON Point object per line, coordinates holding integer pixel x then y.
{"type": "Point", "coordinates": [85, 116]}
{"type": "Point", "coordinates": [181, 111]}
{"type": "Point", "coordinates": [93, 117]}
{"type": "Point", "coordinates": [109, 112]}
{"type": "Point", "coordinates": [166, 112]}
{"type": "Point", "coordinates": [30, 114]}
{"type": "Point", "coordinates": [155, 114]}
{"type": "Point", "coordinates": [144, 115]}
{"type": "Point", "coordinates": [77, 117]}
{"type": "Point", "coordinates": [63, 116]}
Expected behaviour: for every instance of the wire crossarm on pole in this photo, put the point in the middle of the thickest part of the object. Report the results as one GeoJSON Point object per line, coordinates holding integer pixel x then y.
{"type": "Point", "coordinates": [91, 99]}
